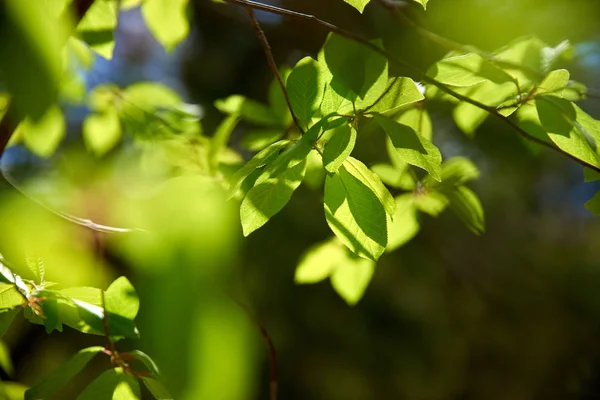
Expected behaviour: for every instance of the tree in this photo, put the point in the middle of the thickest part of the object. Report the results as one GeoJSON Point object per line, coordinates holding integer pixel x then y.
{"type": "Point", "coordinates": [172, 229]}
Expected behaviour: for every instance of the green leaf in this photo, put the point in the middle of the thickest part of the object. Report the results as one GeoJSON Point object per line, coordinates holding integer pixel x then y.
{"type": "Point", "coordinates": [102, 132]}
{"type": "Point", "coordinates": [593, 205]}
{"type": "Point", "coordinates": [400, 93]}
{"type": "Point", "coordinates": [157, 389]}
{"type": "Point", "coordinates": [121, 299]}
{"type": "Point", "coordinates": [358, 4]}
{"type": "Point", "coordinates": [467, 70]}
{"type": "Point", "coordinates": [113, 384]}
{"type": "Point", "coordinates": [269, 196]}
{"type": "Point", "coordinates": [469, 117]}
{"type": "Point", "coordinates": [255, 140]}
{"type": "Point", "coordinates": [423, 3]}
{"type": "Point", "coordinates": [319, 261]}
{"type": "Point", "coordinates": [44, 136]}
{"type": "Point", "coordinates": [89, 295]}
{"type": "Point", "coordinates": [121, 305]}
{"type": "Point", "coordinates": [339, 147]}
{"type": "Point", "coordinates": [431, 202]}
{"type": "Point", "coordinates": [373, 182]}
{"type": "Point", "coordinates": [6, 319]}
{"type": "Point", "coordinates": [455, 172]}
{"type": "Point", "coordinates": [150, 96]}
{"type": "Point", "coordinates": [259, 160]}
{"type": "Point", "coordinates": [568, 127]}
{"type": "Point", "coordinates": [412, 147]}
{"type": "Point", "coordinates": [167, 20]}
{"type": "Point", "coordinates": [468, 208]}
{"type": "Point", "coordinates": [361, 84]}
{"type": "Point", "coordinates": [97, 27]}
{"type": "Point", "coordinates": [219, 141]}
{"type": "Point", "coordinates": [400, 178]}
{"type": "Point", "coordinates": [305, 86]}
{"type": "Point", "coordinates": [30, 55]}
{"type": "Point", "coordinates": [419, 120]}
{"type": "Point", "coordinates": [61, 376]}
{"type": "Point", "coordinates": [5, 360]}
{"type": "Point", "coordinates": [355, 214]}
{"type": "Point", "coordinates": [554, 81]}
{"type": "Point", "coordinates": [10, 296]}
{"type": "Point", "coordinates": [50, 311]}
{"type": "Point", "coordinates": [590, 175]}
{"type": "Point", "coordinates": [148, 362]}
{"type": "Point", "coordinates": [351, 278]}
{"type": "Point", "coordinates": [404, 225]}
{"type": "Point", "coordinates": [249, 110]}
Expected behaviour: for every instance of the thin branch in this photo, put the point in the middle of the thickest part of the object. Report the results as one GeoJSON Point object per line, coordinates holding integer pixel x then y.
{"type": "Point", "coordinates": [84, 222]}
{"type": "Point", "coordinates": [272, 353]}
{"type": "Point", "coordinates": [359, 39]}
{"type": "Point", "coordinates": [269, 54]}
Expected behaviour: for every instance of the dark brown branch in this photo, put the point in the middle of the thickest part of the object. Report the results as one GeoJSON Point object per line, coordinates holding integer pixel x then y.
{"type": "Point", "coordinates": [416, 72]}
{"type": "Point", "coordinates": [269, 54]}
{"type": "Point", "coordinates": [9, 122]}
{"type": "Point", "coordinates": [272, 353]}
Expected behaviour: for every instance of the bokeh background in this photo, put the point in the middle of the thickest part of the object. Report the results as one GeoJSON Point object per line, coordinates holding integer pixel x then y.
{"type": "Point", "coordinates": [512, 314]}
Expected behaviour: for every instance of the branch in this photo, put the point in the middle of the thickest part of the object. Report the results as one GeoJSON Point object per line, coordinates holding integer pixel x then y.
{"type": "Point", "coordinates": [272, 353]}
{"type": "Point", "coordinates": [84, 222]}
{"type": "Point", "coordinates": [269, 54]}
{"type": "Point", "coordinates": [9, 123]}
{"type": "Point", "coordinates": [359, 39]}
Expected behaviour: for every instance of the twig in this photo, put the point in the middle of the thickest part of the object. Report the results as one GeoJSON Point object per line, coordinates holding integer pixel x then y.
{"type": "Point", "coordinates": [272, 352]}
{"type": "Point", "coordinates": [84, 222]}
{"type": "Point", "coordinates": [359, 39]}
{"type": "Point", "coordinates": [269, 54]}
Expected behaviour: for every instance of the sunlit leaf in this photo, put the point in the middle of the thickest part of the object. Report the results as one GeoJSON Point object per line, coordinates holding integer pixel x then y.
{"type": "Point", "coordinates": [339, 147]}
{"type": "Point", "coordinates": [400, 93]}
{"type": "Point", "coordinates": [400, 178]}
{"type": "Point", "coordinates": [305, 86]}
{"type": "Point", "coordinates": [404, 225]}
{"type": "Point", "coordinates": [157, 389]}
{"type": "Point", "coordinates": [167, 20]}
{"type": "Point", "coordinates": [61, 376]}
{"type": "Point", "coordinates": [255, 140]}
{"type": "Point", "coordinates": [355, 214]}
{"type": "Point", "coordinates": [121, 305]}
{"type": "Point", "coordinates": [412, 147]}
{"type": "Point", "coordinates": [219, 141]}
{"type": "Point", "coordinates": [360, 171]}
{"type": "Point", "coordinates": [363, 83]}
{"type": "Point", "coordinates": [269, 196]}
{"type": "Point", "coordinates": [467, 70]}
{"type": "Point", "coordinates": [358, 4]}
{"type": "Point", "coordinates": [112, 384]}
{"type": "Point", "coordinates": [467, 206]}
{"type": "Point", "coordinates": [44, 136]}
{"type": "Point", "coordinates": [351, 278]}
{"type": "Point", "coordinates": [423, 3]}
{"type": "Point", "coordinates": [5, 360]}
{"type": "Point", "coordinates": [249, 110]}
{"type": "Point", "coordinates": [97, 27]}
{"type": "Point", "coordinates": [259, 160]}
{"type": "Point", "coordinates": [319, 261]}
{"type": "Point", "coordinates": [430, 202]}
{"type": "Point", "coordinates": [102, 132]}
{"type": "Point", "coordinates": [554, 81]}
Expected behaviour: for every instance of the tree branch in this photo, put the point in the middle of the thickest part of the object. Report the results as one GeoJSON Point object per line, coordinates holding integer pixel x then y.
{"type": "Point", "coordinates": [269, 54]}
{"type": "Point", "coordinates": [416, 72]}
